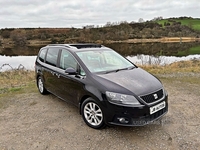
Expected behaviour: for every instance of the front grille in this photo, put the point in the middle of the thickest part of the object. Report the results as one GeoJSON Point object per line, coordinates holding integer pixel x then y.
{"type": "Point", "coordinates": [150, 98]}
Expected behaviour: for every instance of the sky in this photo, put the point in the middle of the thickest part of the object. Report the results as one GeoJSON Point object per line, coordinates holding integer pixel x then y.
{"type": "Point", "coordinates": [79, 13]}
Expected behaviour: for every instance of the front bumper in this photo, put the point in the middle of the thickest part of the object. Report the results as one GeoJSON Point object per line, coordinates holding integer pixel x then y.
{"type": "Point", "coordinates": [134, 116]}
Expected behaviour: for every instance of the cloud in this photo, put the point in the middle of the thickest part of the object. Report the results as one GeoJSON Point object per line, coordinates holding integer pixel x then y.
{"type": "Point", "coordinates": [77, 13]}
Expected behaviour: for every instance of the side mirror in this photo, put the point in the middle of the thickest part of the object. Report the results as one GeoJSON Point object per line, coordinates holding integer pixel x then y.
{"type": "Point", "coordinates": [70, 71]}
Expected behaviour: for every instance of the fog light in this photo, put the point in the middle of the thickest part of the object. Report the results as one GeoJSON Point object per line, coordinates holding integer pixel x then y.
{"type": "Point", "coordinates": [123, 120]}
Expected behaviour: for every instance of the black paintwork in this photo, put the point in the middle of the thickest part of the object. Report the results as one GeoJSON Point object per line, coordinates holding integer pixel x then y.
{"type": "Point", "coordinates": [76, 88]}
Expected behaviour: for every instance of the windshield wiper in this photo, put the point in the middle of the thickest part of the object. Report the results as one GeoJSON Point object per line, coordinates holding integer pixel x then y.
{"type": "Point", "coordinates": [106, 72]}
{"type": "Point", "coordinates": [128, 68]}
{"type": "Point", "coordinates": [121, 69]}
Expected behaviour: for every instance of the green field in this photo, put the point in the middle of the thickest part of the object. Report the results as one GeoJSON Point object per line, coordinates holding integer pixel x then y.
{"type": "Point", "coordinates": [191, 51]}
{"type": "Point", "coordinates": [190, 22]}
{"type": "Point", "coordinates": [195, 50]}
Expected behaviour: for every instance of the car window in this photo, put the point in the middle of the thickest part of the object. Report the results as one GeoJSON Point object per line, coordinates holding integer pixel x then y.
{"type": "Point", "coordinates": [42, 54]}
{"type": "Point", "coordinates": [103, 61]}
{"type": "Point", "coordinates": [52, 55]}
{"type": "Point", "coordinates": [68, 61]}
{"type": "Point", "coordinates": [114, 60]}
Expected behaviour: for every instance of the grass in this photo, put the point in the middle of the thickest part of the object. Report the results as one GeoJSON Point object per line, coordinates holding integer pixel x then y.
{"type": "Point", "coordinates": [162, 22]}
{"type": "Point", "coordinates": [16, 81]}
{"type": "Point", "coordinates": [16, 77]}
{"type": "Point", "coordinates": [184, 74]}
{"type": "Point", "coordinates": [191, 51]}
{"type": "Point", "coordinates": [193, 23]}
{"type": "Point", "coordinates": [194, 50]}
{"type": "Point", "coordinates": [192, 66]}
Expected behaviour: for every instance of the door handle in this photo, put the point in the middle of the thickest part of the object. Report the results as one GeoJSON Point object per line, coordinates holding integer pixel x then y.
{"type": "Point", "coordinates": [58, 75]}
{"type": "Point", "coordinates": [52, 73]}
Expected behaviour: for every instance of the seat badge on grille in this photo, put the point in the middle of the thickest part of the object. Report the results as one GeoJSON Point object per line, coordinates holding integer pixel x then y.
{"type": "Point", "coordinates": [155, 96]}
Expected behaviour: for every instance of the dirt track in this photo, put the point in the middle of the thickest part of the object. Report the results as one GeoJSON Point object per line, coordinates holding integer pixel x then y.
{"type": "Point", "coordinates": [36, 122]}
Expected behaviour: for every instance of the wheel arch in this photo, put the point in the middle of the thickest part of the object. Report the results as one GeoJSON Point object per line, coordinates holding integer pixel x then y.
{"type": "Point", "coordinates": [82, 100]}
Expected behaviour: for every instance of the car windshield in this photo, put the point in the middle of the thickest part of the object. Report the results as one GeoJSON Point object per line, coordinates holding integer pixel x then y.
{"type": "Point", "coordinates": [104, 61]}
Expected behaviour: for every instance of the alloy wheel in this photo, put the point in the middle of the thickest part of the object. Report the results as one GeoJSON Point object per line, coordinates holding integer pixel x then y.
{"type": "Point", "coordinates": [40, 85]}
{"type": "Point", "coordinates": [93, 114]}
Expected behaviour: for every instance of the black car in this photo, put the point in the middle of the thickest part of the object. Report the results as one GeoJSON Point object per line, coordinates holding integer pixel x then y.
{"type": "Point", "coordinates": [107, 88]}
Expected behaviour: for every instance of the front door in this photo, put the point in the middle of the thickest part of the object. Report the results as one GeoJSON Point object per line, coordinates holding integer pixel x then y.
{"type": "Point", "coordinates": [70, 87]}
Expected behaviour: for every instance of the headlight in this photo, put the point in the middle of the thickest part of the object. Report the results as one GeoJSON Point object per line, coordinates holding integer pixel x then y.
{"type": "Point", "coordinates": [121, 99]}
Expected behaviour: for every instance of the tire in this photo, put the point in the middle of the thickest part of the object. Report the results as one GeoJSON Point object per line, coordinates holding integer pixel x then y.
{"type": "Point", "coordinates": [92, 114]}
{"type": "Point", "coordinates": [40, 85]}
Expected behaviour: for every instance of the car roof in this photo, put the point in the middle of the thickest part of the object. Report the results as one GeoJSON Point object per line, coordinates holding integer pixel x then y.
{"type": "Point", "coordinates": [80, 46]}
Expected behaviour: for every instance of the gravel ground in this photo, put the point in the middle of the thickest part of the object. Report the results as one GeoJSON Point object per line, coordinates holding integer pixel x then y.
{"type": "Point", "coordinates": [35, 122]}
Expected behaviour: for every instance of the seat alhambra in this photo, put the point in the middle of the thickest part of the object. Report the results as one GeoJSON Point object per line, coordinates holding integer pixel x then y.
{"type": "Point", "coordinates": [107, 88]}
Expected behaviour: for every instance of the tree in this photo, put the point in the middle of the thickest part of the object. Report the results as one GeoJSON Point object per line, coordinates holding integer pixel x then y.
{"type": "Point", "coordinates": [141, 20]}
{"type": "Point", "coordinates": [19, 37]}
{"type": "Point", "coordinates": [5, 34]}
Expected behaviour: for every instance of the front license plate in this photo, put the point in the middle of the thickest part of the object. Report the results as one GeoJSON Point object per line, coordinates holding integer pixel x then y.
{"type": "Point", "coordinates": [157, 107]}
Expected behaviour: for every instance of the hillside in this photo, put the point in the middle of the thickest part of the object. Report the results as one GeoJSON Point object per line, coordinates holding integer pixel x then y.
{"type": "Point", "coordinates": [193, 23]}
{"type": "Point", "coordinates": [172, 27]}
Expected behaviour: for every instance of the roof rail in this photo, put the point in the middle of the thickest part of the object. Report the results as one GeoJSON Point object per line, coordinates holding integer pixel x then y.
{"type": "Point", "coordinates": [88, 45]}
{"type": "Point", "coordinates": [79, 45]}
{"type": "Point", "coordinates": [58, 45]}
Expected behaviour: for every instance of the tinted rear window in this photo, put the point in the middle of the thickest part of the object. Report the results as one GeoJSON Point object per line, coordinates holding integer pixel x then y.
{"type": "Point", "coordinates": [52, 55]}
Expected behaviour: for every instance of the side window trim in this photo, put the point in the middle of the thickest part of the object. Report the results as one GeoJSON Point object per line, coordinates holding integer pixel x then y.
{"type": "Point", "coordinates": [59, 57]}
